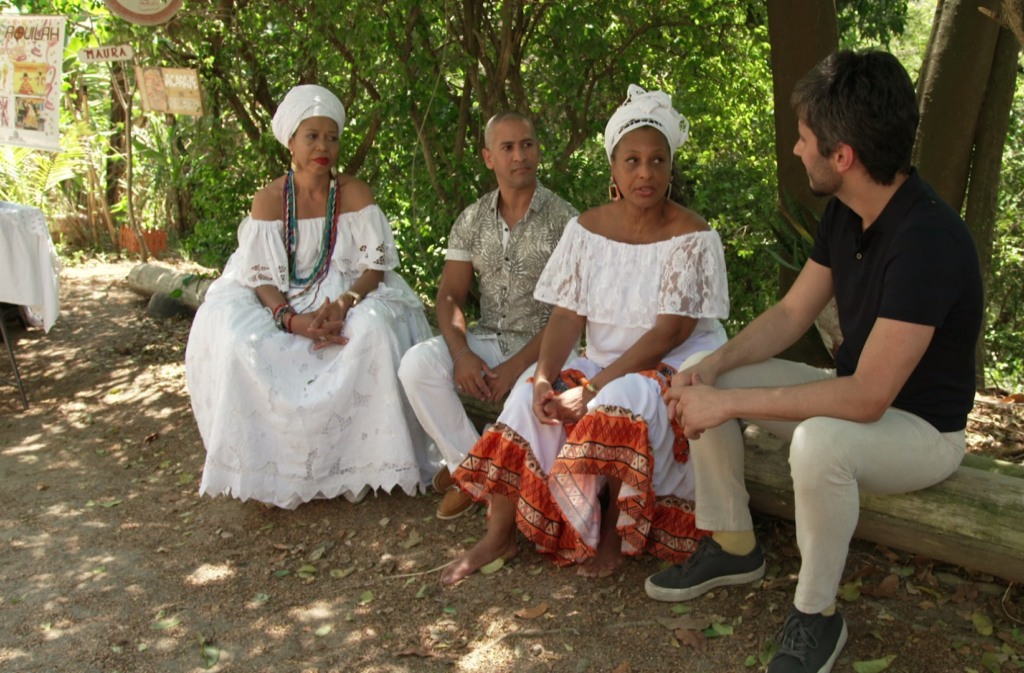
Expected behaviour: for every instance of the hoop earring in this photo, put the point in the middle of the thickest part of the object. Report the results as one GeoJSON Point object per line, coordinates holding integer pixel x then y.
{"type": "Point", "coordinates": [613, 191]}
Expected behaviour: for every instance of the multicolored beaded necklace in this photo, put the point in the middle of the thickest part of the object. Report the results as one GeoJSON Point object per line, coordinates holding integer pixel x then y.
{"type": "Point", "coordinates": [330, 235]}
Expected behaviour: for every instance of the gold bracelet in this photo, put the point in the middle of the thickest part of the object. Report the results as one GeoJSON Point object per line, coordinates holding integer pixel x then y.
{"type": "Point", "coordinates": [356, 297]}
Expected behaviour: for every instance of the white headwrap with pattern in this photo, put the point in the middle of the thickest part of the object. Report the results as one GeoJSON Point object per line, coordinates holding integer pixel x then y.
{"type": "Point", "coordinates": [303, 102]}
{"type": "Point", "coordinates": [646, 108]}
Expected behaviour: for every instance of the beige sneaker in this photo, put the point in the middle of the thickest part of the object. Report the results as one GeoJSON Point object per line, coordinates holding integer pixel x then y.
{"type": "Point", "coordinates": [454, 504]}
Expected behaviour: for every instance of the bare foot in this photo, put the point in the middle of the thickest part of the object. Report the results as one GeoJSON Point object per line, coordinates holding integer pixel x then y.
{"type": "Point", "coordinates": [482, 553]}
{"type": "Point", "coordinates": [608, 556]}
{"type": "Point", "coordinates": [606, 561]}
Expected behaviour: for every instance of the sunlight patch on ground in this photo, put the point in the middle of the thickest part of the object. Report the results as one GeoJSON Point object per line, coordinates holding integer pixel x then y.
{"type": "Point", "coordinates": [488, 658]}
{"type": "Point", "coordinates": [62, 510]}
{"type": "Point", "coordinates": [9, 655]}
{"type": "Point", "coordinates": [27, 542]}
{"type": "Point", "coordinates": [313, 613]}
{"type": "Point", "coordinates": [23, 448]}
{"type": "Point", "coordinates": [208, 573]}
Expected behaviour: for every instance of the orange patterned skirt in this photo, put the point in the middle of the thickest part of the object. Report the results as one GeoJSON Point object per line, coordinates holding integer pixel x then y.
{"type": "Point", "coordinates": [560, 511]}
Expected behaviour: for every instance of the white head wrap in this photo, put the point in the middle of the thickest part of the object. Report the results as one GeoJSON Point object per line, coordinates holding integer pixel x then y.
{"type": "Point", "coordinates": [646, 108]}
{"type": "Point", "coordinates": [303, 102]}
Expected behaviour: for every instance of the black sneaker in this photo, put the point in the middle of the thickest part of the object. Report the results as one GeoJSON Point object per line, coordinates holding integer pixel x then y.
{"type": "Point", "coordinates": [709, 567]}
{"type": "Point", "coordinates": [809, 643]}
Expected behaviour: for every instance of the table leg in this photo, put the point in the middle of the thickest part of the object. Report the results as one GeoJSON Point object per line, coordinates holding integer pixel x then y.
{"type": "Point", "coordinates": [14, 365]}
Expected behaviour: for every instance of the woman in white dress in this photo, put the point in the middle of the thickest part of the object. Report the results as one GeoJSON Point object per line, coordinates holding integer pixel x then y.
{"type": "Point", "coordinates": [292, 358]}
{"type": "Point", "coordinates": [646, 278]}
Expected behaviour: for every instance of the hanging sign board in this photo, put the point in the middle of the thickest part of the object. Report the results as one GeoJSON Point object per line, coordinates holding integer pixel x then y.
{"type": "Point", "coordinates": [171, 90]}
{"type": "Point", "coordinates": [144, 12]}
{"type": "Point", "coordinates": [120, 52]}
{"type": "Point", "coordinates": [31, 60]}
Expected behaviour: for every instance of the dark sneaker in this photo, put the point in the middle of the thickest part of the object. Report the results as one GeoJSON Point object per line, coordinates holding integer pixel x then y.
{"type": "Point", "coordinates": [709, 567]}
{"type": "Point", "coordinates": [809, 643]}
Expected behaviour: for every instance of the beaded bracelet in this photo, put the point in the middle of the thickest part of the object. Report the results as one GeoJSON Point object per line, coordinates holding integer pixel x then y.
{"type": "Point", "coordinates": [278, 312]}
{"type": "Point", "coordinates": [279, 309]}
{"type": "Point", "coordinates": [288, 322]}
{"type": "Point", "coordinates": [588, 386]}
{"type": "Point", "coordinates": [279, 318]}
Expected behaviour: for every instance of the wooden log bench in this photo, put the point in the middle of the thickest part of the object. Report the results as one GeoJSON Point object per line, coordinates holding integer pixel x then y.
{"type": "Point", "coordinates": [974, 519]}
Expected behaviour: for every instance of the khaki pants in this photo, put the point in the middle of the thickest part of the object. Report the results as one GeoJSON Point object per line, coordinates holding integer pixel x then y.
{"type": "Point", "coordinates": [830, 460]}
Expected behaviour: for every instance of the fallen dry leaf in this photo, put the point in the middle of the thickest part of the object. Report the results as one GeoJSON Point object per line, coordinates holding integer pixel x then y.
{"type": "Point", "coordinates": [411, 541]}
{"type": "Point", "coordinates": [534, 612]}
{"type": "Point", "coordinates": [492, 567]}
{"type": "Point", "coordinates": [780, 581]}
{"type": "Point", "coordinates": [887, 588]}
{"type": "Point", "coordinates": [964, 593]}
{"type": "Point", "coordinates": [892, 556]}
{"type": "Point", "coordinates": [417, 651]}
{"type": "Point", "coordinates": [693, 639]}
{"type": "Point", "coordinates": [624, 667]}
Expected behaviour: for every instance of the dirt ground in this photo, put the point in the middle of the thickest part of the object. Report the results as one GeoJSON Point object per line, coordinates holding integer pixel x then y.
{"type": "Point", "coordinates": [109, 560]}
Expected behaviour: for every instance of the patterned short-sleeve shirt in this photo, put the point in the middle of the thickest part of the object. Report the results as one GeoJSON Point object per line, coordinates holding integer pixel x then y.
{"type": "Point", "coordinates": [507, 274]}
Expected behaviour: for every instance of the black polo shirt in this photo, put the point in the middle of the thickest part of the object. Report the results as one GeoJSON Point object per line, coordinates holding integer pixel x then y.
{"type": "Point", "coordinates": [916, 263]}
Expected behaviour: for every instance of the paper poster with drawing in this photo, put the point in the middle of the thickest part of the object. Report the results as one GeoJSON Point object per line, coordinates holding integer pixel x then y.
{"type": "Point", "coordinates": [31, 60]}
{"type": "Point", "coordinates": [171, 90]}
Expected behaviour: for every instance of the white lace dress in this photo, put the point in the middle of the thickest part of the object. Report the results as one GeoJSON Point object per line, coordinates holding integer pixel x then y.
{"type": "Point", "coordinates": [283, 423]}
{"type": "Point", "coordinates": [621, 289]}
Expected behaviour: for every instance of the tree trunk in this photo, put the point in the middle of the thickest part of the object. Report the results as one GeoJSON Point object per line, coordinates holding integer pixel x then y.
{"type": "Point", "coordinates": [983, 192]}
{"type": "Point", "coordinates": [801, 33]}
{"type": "Point", "coordinates": [793, 55]}
{"type": "Point", "coordinates": [147, 279]}
{"type": "Point", "coordinates": [117, 147]}
{"type": "Point", "coordinates": [965, 96]}
{"type": "Point", "coordinates": [950, 97]}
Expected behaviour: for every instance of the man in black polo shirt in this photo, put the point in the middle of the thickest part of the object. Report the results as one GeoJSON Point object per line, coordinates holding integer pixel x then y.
{"type": "Point", "coordinates": [892, 417]}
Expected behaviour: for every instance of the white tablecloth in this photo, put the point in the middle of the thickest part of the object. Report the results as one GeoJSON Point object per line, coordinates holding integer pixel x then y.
{"type": "Point", "coordinates": [29, 266]}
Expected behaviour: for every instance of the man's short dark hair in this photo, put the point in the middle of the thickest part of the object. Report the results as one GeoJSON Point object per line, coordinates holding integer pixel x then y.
{"type": "Point", "coordinates": [865, 100]}
{"type": "Point", "coordinates": [505, 115]}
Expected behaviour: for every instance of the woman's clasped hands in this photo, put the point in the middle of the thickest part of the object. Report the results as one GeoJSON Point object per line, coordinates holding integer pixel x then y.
{"type": "Point", "coordinates": [552, 408]}
{"type": "Point", "coordinates": [324, 326]}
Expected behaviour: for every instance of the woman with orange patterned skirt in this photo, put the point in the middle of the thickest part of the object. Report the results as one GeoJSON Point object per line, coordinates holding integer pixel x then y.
{"type": "Point", "coordinates": [645, 277]}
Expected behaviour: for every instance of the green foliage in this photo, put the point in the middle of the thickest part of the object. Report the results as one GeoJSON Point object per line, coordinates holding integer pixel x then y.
{"type": "Point", "coordinates": [1004, 336]}
{"type": "Point", "coordinates": [31, 177]}
{"type": "Point", "coordinates": [419, 80]}
{"type": "Point", "coordinates": [870, 21]}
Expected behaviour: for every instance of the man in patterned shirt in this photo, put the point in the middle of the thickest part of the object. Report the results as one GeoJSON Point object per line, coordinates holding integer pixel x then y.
{"type": "Point", "coordinates": [505, 239]}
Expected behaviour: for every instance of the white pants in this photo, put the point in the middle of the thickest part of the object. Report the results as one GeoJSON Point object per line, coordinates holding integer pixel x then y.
{"type": "Point", "coordinates": [427, 374]}
{"type": "Point", "coordinates": [830, 460]}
